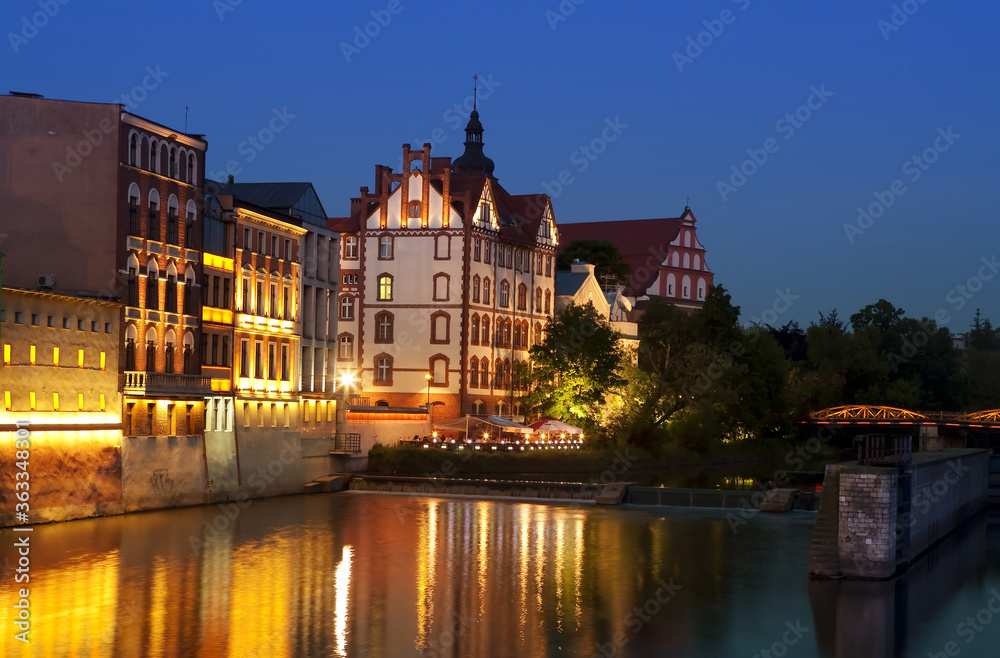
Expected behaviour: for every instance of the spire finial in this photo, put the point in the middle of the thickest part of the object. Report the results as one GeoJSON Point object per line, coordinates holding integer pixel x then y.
{"type": "Point", "coordinates": [475, 91]}
{"type": "Point", "coordinates": [688, 202]}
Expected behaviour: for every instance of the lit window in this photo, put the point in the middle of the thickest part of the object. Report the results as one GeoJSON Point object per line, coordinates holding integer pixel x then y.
{"type": "Point", "coordinates": [103, 405]}
{"type": "Point", "coordinates": [385, 288]}
{"type": "Point", "coordinates": [79, 359]}
{"type": "Point", "coordinates": [79, 401]}
{"type": "Point", "coordinates": [31, 401]}
{"type": "Point", "coordinates": [6, 355]}
{"type": "Point", "coordinates": [103, 360]}
{"type": "Point", "coordinates": [31, 355]}
{"type": "Point", "coordinates": [55, 402]}
{"type": "Point", "coordinates": [6, 400]}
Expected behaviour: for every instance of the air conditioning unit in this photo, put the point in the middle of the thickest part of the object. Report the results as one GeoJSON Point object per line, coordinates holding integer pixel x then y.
{"type": "Point", "coordinates": [46, 281]}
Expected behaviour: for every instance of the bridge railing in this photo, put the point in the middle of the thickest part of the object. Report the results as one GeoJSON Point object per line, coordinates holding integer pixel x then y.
{"type": "Point", "coordinates": [884, 449]}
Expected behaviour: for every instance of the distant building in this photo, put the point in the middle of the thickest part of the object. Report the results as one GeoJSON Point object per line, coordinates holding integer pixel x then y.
{"type": "Point", "coordinates": [579, 286]}
{"type": "Point", "coordinates": [448, 279]}
{"type": "Point", "coordinates": [666, 257]}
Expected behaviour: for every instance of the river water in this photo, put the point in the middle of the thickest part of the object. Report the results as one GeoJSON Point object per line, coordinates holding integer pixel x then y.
{"type": "Point", "coordinates": [359, 574]}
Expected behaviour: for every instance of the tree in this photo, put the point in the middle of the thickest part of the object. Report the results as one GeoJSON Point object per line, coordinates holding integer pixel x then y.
{"type": "Point", "coordinates": [792, 340]}
{"type": "Point", "coordinates": [575, 365]}
{"type": "Point", "coordinates": [982, 336]}
{"type": "Point", "coordinates": [603, 255]}
{"type": "Point", "coordinates": [881, 314]}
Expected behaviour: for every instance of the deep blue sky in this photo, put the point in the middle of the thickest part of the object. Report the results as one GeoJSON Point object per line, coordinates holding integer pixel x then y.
{"type": "Point", "coordinates": [555, 88]}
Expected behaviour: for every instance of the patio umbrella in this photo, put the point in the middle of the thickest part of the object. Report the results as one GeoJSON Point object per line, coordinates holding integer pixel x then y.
{"type": "Point", "coordinates": [551, 425]}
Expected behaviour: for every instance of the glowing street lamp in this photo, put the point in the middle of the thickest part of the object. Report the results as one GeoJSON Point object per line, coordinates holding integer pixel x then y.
{"type": "Point", "coordinates": [428, 378]}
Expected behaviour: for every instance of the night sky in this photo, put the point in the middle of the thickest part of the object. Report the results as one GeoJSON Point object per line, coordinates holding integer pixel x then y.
{"type": "Point", "coordinates": [693, 91]}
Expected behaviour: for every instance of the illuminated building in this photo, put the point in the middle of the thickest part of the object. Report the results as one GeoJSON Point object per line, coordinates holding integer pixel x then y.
{"type": "Point", "coordinates": [579, 286]}
{"type": "Point", "coordinates": [666, 257]}
{"type": "Point", "coordinates": [108, 203]}
{"type": "Point", "coordinates": [59, 380]}
{"type": "Point", "coordinates": [444, 273]}
{"type": "Point", "coordinates": [267, 285]}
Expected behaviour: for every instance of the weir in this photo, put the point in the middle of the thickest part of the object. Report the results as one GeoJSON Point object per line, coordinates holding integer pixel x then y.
{"type": "Point", "coordinates": [880, 513]}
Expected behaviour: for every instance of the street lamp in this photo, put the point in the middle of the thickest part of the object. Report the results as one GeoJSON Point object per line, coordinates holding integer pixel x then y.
{"type": "Point", "coordinates": [428, 378]}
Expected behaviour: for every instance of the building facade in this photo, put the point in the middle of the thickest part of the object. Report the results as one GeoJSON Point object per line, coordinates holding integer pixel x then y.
{"type": "Point", "coordinates": [447, 281]}
{"type": "Point", "coordinates": [666, 256]}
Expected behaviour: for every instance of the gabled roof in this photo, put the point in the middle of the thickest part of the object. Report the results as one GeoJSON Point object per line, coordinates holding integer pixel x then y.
{"type": "Point", "coordinates": [636, 239]}
{"type": "Point", "coordinates": [344, 224]}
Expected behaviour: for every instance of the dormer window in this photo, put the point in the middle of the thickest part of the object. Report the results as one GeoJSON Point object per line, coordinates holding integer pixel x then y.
{"type": "Point", "coordinates": [416, 211]}
{"type": "Point", "coordinates": [484, 213]}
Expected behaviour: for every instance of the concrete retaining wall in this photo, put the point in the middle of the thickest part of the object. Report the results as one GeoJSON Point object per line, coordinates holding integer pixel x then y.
{"type": "Point", "coordinates": [160, 472]}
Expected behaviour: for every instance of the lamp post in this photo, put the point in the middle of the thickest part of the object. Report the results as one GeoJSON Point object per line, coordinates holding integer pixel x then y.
{"type": "Point", "coordinates": [428, 378]}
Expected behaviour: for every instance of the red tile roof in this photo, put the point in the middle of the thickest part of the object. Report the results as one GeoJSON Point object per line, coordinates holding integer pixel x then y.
{"type": "Point", "coordinates": [641, 242]}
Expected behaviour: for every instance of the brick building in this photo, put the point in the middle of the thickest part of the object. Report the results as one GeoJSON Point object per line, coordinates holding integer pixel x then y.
{"type": "Point", "coordinates": [666, 257]}
{"type": "Point", "coordinates": [447, 280]}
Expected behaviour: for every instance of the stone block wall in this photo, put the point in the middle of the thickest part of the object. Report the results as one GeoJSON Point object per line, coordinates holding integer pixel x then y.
{"type": "Point", "coordinates": [867, 519]}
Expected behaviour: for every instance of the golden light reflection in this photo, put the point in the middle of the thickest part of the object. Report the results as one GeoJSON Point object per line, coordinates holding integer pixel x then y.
{"type": "Point", "coordinates": [539, 565]}
{"type": "Point", "coordinates": [482, 550]}
{"type": "Point", "coordinates": [522, 572]}
{"type": "Point", "coordinates": [426, 567]}
{"type": "Point", "coordinates": [578, 569]}
{"type": "Point", "coordinates": [76, 606]}
{"type": "Point", "coordinates": [560, 559]}
{"type": "Point", "coordinates": [260, 616]}
{"type": "Point", "coordinates": [158, 611]}
{"type": "Point", "coordinates": [342, 590]}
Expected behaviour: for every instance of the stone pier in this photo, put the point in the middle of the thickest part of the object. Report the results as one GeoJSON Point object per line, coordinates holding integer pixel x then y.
{"type": "Point", "coordinates": [874, 520]}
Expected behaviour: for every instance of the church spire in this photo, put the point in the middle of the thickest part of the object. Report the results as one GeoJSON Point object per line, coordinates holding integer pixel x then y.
{"type": "Point", "coordinates": [474, 161]}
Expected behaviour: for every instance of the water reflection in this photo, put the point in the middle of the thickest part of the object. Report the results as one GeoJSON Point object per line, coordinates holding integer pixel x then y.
{"type": "Point", "coordinates": [380, 575]}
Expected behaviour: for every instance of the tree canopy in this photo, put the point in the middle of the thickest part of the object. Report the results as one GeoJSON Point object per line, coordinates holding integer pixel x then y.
{"type": "Point", "coordinates": [603, 255]}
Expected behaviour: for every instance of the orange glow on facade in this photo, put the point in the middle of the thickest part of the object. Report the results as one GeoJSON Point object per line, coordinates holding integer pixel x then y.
{"type": "Point", "coordinates": [218, 315]}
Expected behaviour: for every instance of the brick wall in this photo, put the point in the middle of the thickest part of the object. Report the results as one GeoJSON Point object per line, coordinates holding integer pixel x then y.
{"type": "Point", "coordinates": [867, 541]}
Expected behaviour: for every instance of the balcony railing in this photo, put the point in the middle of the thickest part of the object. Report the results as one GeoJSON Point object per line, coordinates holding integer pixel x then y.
{"type": "Point", "coordinates": [884, 450]}
{"type": "Point", "coordinates": [163, 383]}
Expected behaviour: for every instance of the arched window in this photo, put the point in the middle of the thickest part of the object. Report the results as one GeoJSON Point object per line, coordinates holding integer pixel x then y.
{"type": "Point", "coordinates": [346, 347]}
{"type": "Point", "coordinates": [474, 373]}
{"type": "Point", "coordinates": [440, 327]}
{"type": "Point", "coordinates": [671, 283]}
{"type": "Point", "coordinates": [191, 215]}
{"type": "Point", "coordinates": [538, 299]}
{"type": "Point", "coordinates": [504, 294]}
{"type": "Point", "coordinates": [173, 233]}
{"type": "Point", "coordinates": [441, 287]}
{"type": "Point", "coordinates": [697, 262]}
{"type": "Point", "coordinates": [479, 408]}
{"type": "Point", "coordinates": [134, 223]}
{"type": "Point", "coordinates": [153, 219]}
{"type": "Point", "coordinates": [506, 333]}
{"type": "Point", "coordinates": [517, 334]}
{"type": "Point", "coordinates": [154, 156]}
{"type": "Point", "coordinates": [383, 370]}
{"type": "Point", "coordinates": [548, 300]}
{"type": "Point", "coordinates": [474, 332]}
{"type": "Point", "coordinates": [385, 287]}
{"type": "Point", "coordinates": [675, 260]}
{"type": "Point", "coordinates": [501, 409]}
{"type": "Point", "coordinates": [384, 327]}
{"type": "Point", "coordinates": [171, 290]}
{"type": "Point", "coordinates": [189, 364]}
{"type": "Point", "coordinates": [484, 373]}
{"type": "Point", "coordinates": [190, 168]}
{"type": "Point", "coordinates": [172, 168]}
{"type": "Point", "coordinates": [152, 284]}
{"type": "Point", "coordinates": [475, 288]}
{"type": "Point", "coordinates": [538, 333]}
{"type": "Point", "coordinates": [485, 338]}
{"type": "Point", "coordinates": [439, 370]}
{"type": "Point", "coordinates": [442, 247]}
{"type": "Point", "coordinates": [131, 335]}
{"type": "Point", "coordinates": [133, 149]}
{"type": "Point", "coordinates": [686, 287]}
{"type": "Point", "coordinates": [687, 238]}
{"type": "Point", "coordinates": [151, 350]}
{"type": "Point", "coordinates": [701, 288]}
{"type": "Point", "coordinates": [687, 261]}
{"type": "Point", "coordinates": [522, 297]}
{"type": "Point", "coordinates": [169, 352]}
{"type": "Point", "coordinates": [486, 290]}
{"type": "Point", "coordinates": [498, 333]}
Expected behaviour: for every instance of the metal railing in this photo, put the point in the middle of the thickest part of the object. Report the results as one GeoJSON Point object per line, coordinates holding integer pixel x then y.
{"type": "Point", "coordinates": [345, 442]}
{"type": "Point", "coordinates": [883, 449]}
{"type": "Point", "coordinates": [145, 383]}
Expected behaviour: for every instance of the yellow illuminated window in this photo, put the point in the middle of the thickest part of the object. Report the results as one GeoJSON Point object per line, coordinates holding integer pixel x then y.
{"type": "Point", "coordinates": [79, 359]}
{"type": "Point", "coordinates": [329, 411]}
{"type": "Point", "coordinates": [6, 400]}
{"type": "Point", "coordinates": [55, 401]}
{"type": "Point", "coordinates": [31, 355]}
{"type": "Point", "coordinates": [6, 355]}
{"type": "Point", "coordinates": [79, 401]}
{"type": "Point", "coordinates": [55, 356]}
{"type": "Point", "coordinates": [31, 400]}
{"type": "Point", "coordinates": [103, 406]}
{"type": "Point", "coordinates": [103, 360]}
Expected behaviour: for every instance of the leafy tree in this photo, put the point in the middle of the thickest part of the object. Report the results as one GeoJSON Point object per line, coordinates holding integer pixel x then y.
{"type": "Point", "coordinates": [881, 314]}
{"type": "Point", "coordinates": [575, 365]}
{"type": "Point", "coordinates": [792, 340]}
{"type": "Point", "coordinates": [603, 255]}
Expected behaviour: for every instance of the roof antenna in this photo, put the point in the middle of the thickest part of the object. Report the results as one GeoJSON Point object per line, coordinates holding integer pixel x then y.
{"type": "Point", "coordinates": [186, 110]}
{"type": "Point", "coordinates": [475, 92]}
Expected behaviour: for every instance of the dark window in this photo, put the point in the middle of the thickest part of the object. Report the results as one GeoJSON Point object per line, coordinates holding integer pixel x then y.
{"type": "Point", "coordinates": [273, 309]}
{"type": "Point", "coordinates": [152, 290]}
{"type": "Point", "coordinates": [351, 247]}
{"type": "Point", "coordinates": [173, 163]}
{"type": "Point", "coordinates": [133, 144]}
{"type": "Point", "coordinates": [150, 356]}
{"type": "Point", "coordinates": [245, 306]}
{"type": "Point", "coordinates": [477, 249]}
{"type": "Point", "coordinates": [154, 221]}
{"type": "Point", "coordinates": [169, 360]}
{"type": "Point", "coordinates": [225, 351]}
{"type": "Point", "coordinates": [245, 360]}
{"type": "Point", "coordinates": [133, 288]}
{"type": "Point", "coordinates": [190, 177]}
{"type": "Point", "coordinates": [215, 350]}
{"type": "Point", "coordinates": [225, 293]}
{"type": "Point", "coordinates": [284, 304]}
{"type": "Point", "coordinates": [272, 371]}
{"type": "Point", "coordinates": [130, 354]}
{"type": "Point", "coordinates": [383, 371]}
{"type": "Point", "coordinates": [284, 363]}
{"type": "Point", "coordinates": [258, 363]}
{"type": "Point", "coordinates": [171, 294]}
{"type": "Point", "coordinates": [133, 215]}
{"type": "Point", "coordinates": [383, 328]}
{"type": "Point", "coordinates": [173, 237]}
